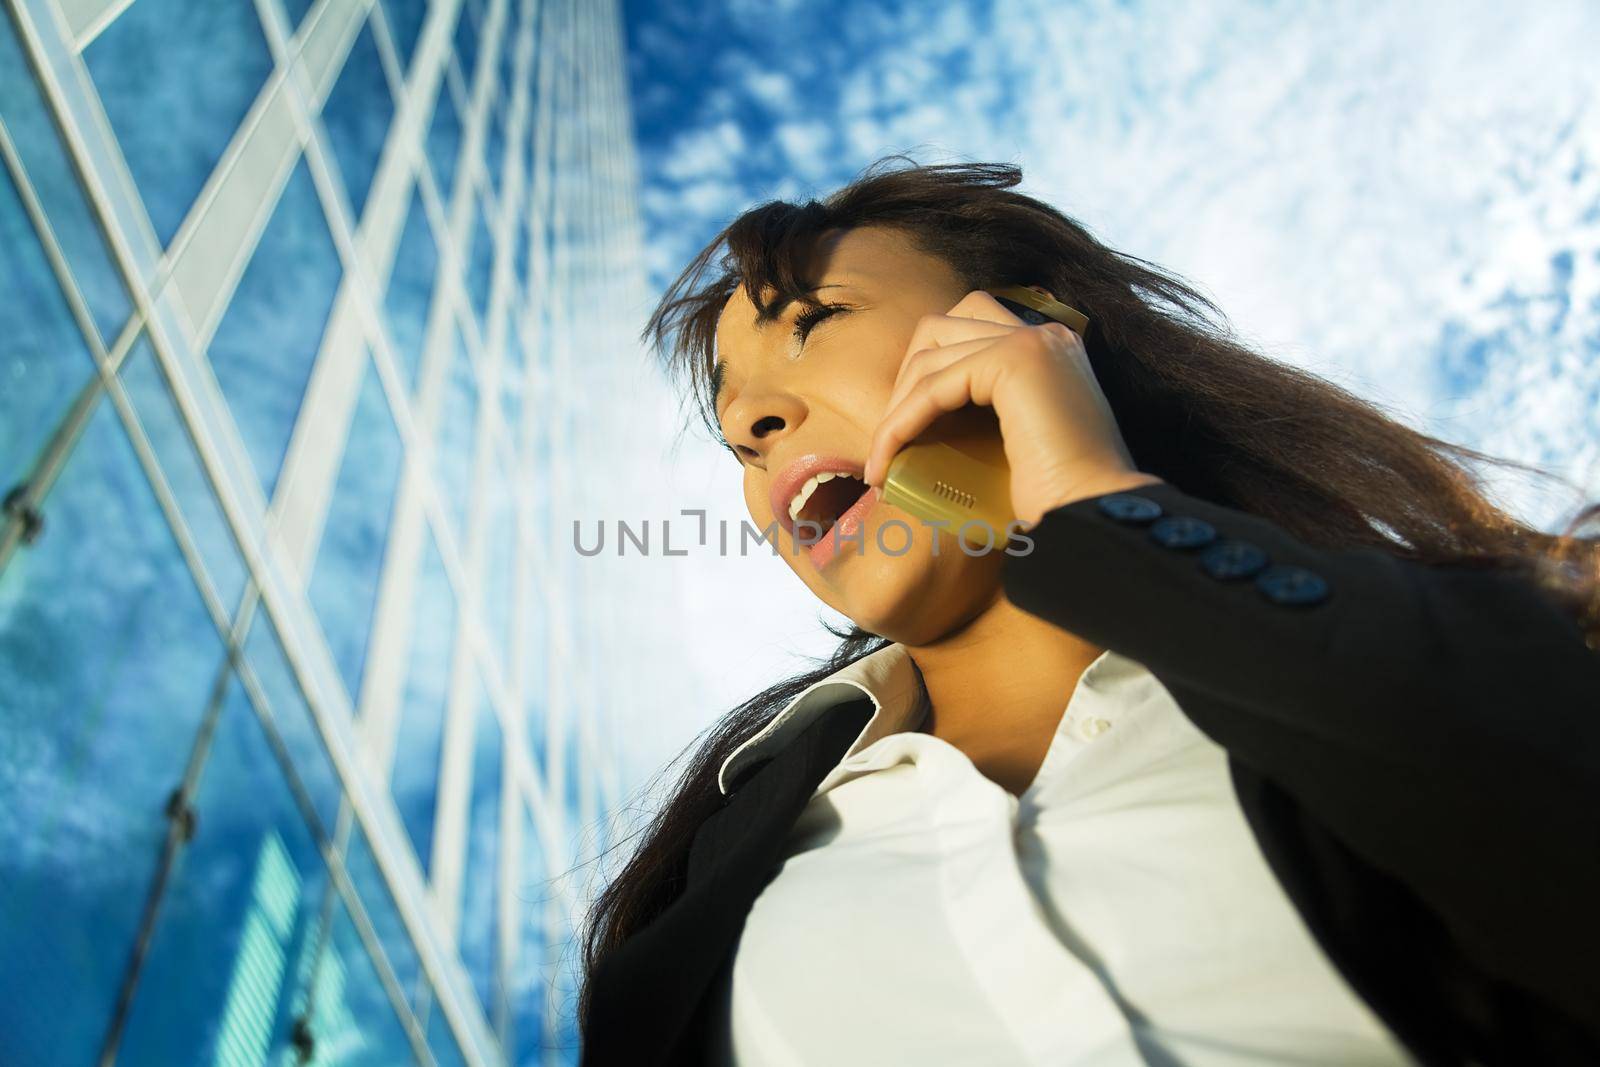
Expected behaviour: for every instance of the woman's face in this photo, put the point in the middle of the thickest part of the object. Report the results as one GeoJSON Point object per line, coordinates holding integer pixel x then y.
{"type": "Point", "coordinates": [788, 408]}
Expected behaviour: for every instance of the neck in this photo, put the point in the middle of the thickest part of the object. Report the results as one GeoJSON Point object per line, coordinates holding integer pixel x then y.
{"type": "Point", "coordinates": [1002, 680]}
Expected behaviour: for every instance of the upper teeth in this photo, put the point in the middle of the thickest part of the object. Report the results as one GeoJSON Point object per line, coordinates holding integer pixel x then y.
{"type": "Point", "coordinates": [800, 498]}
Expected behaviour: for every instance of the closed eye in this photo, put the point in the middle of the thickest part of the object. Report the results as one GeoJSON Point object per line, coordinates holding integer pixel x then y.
{"type": "Point", "coordinates": [807, 320]}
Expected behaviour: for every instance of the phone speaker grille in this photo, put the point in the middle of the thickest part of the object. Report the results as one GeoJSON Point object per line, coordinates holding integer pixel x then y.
{"type": "Point", "coordinates": [954, 495]}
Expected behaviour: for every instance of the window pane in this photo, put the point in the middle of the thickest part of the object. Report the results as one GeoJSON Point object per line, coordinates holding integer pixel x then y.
{"type": "Point", "coordinates": [296, 10]}
{"type": "Point", "coordinates": [405, 26]}
{"type": "Point", "coordinates": [43, 360]}
{"type": "Point", "coordinates": [414, 779]}
{"type": "Point", "coordinates": [468, 28]}
{"type": "Point", "coordinates": [373, 892]}
{"type": "Point", "coordinates": [55, 183]}
{"type": "Point", "coordinates": [344, 580]}
{"type": "Point", "coordinates": [176, 78]}
{"type": "Point", "coordinates": [512, 377]}
{"type": "Point", "coordinates": [457, 429]}
{"type": "Point", "coordinates": [107, 660]}
{"type": "Point", "coordinates": [147, 388]}
{"type": "Point", "coordinates": [291, 716]}
{"type": "Point", "coordinates": [411, 287]}
{"type": "Point", "coordinates": [535, 671]}
{"type": "Point", "coordinates": [565, 962]}
{"type": "Point", "coordinates": [506, 92]}
{"type": "Point", "coordinates": [572, 802]}
{"type": "Point", "coordinates": [521, 242]}
{"type": "Point", "coordinates": [239, 920]}
{"type": "Point", "coordinates": [530, 142]}
{"type": "Point", "coordinates": [495, 152]}
{"type": "Point", "coordinates": [527, 979]}
{"type": "Point", "coordinates": [352, 1016]}
{"type": "Point", "coordinates": [481, 271]}
{"type": "Point", "coordinates": [442, 1040]}
{"type": "Point", "coordinates": [479, 897]}
{"type": "Point", "coordinates": [444, 141]}
{"type": "Point", "coordinates": [357, 116]}
{"type": "Point", "coordinates": [261, 355]}
{"type": "Point", "coordinates": [500, 577]}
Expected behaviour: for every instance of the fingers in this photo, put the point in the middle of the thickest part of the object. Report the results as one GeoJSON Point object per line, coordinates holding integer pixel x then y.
{"type": "Point", "coordinates": [922, 363]}
{"type": "Point", "coordinates": [954, 386]}
{"type": "Point", "coordinates": [936, 331]}
{"type": "Point", "coordinates": [981, 304]}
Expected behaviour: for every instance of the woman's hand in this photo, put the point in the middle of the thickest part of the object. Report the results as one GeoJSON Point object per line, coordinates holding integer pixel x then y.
{"type": "Point", "coordinates": [1061, 440]}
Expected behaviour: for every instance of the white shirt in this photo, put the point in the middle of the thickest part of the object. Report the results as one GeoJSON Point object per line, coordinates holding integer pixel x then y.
{"type": "Point", "coordinates": [1118, 913]}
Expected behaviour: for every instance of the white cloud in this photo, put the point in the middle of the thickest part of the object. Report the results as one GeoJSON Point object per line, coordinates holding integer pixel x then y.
{"type": "Point", "coordinates": [706, 150]}
{"type": "Point", "coordinates": [806, 145]}
{"type": "Point", "coordinates": [1405, 204]}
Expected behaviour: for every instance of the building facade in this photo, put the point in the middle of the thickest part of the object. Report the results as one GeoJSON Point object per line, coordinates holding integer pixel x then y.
{"type": "Point", "coordinates": [305, 720]}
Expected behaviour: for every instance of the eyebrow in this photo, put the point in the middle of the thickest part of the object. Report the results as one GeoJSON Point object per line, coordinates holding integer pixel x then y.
{"type": "Point", "coordinates": [719, 369]}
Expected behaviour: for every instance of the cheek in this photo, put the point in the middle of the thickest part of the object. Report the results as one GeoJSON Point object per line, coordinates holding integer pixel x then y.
{"type": "Point", "coordinates": [756, 499]}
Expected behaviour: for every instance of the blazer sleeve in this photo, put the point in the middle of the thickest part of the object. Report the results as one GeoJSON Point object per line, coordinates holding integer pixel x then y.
{"type": "Point", "coordinates": [1483, 656]}
{"type": "Point", "coordinates": [1442, 722]}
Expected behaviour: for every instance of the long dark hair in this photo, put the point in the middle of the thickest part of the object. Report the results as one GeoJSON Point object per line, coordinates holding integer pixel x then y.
{"type": "Point", "coordinates": [1196, 407]}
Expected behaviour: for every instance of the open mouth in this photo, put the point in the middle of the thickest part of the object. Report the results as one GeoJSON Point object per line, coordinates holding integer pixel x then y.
{"type": "Point", "coordinates": [830, 499]}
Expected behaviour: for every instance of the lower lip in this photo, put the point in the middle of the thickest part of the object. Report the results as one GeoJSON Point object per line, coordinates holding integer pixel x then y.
{"type": "Point", "coordinates": [823, 552]}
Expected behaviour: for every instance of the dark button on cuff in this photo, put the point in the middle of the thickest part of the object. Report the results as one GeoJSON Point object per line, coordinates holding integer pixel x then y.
{"type": "Point", "coordinates": [1227, 560]}
{"type": "Point", "coordinates": [1288, 585]}
{"type": "Point", "coordinates": [1130, 508]}
{"type": "Point", "coordinates": [1182, 531]}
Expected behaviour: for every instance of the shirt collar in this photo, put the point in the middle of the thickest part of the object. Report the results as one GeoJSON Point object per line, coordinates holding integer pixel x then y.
{"type": "Point", "coordinates": [887, 677]}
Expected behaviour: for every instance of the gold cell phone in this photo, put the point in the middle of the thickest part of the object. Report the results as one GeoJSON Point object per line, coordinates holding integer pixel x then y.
{"type": "Point", "coordinates": [955, 471]}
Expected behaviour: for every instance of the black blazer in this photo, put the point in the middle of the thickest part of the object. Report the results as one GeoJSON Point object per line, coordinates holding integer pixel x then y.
{"type": "Point", "coordinates": [1416, 749]}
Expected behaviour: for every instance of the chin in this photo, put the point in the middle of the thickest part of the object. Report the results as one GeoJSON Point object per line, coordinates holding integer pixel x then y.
{"type": "Point", "coordinates": [915, 598]}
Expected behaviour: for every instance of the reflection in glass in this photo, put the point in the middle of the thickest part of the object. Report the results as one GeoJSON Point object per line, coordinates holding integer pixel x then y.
{"type": "Point", "coordinates": [105, 651]}
{"type": "Point", "coordinates": [262, 352]}
{"type": "Point", "coordinates": [291, 716]}
{"type": "Point", "coordinates": [495, 151]}
{"type": "Point", "coordinates": [444, 141]}
{"type": "Point", "coordinates": [536, 609]}
{"type": "Point", "coordinates": [442, 1040]}
{"type": "Point", "coordinates": [481, 878]}
{"type": "Point", "coordinates": [527, 978]}
{"type": "Point", "coordinates": [344, 580]}
{"type": "Point", "coordinates": [499, 576]}
{"type": "Point", "coordinates": [481, 269]}
{"type": "Point", "coordinates": [240, 917]}
{"type": "Point", "coordinates": [457, 425]}
{"type": "Point", "coordinates": [357, 115]}
{"type": "Point", "coordinates": [55, 183]}
{"type": "Point", "coordinates": [147, 388]}
{"type": "Point", "coordinates": [521, 240]}
{"type": "Point", "coordinates": [373, 892]}
{"type": "Point", "coordinates": [577, 847]}
{"type": "Point", "coordinates": [411, 287]}
{"type": "Point", "coordinates": [296, 10]}
{"type": "Point", "coordinates": [530, 147]}
{"type": "Point", "coordinates": [414, 779]}
{"type": "Point", "coordinates": [564, 969]}
{"type": "Point", "coordinates": [512, 377]}
{"type": "Point", "coordinates": [468, 26]}
{"type": "Point", "coordinates": [176, 79]}
{"type": "Point", "coordinates": [506, 92]}
{"type": "Point", "coordinates": [352, 1015]}
{"type": "Point", "coordinates": [405, 25]}
{"type": "Point", "coordinates": [43, 360]}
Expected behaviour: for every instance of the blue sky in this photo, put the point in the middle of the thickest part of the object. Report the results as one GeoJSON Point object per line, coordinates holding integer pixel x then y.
{"type": "Point", "coordinates": [1403, 198]}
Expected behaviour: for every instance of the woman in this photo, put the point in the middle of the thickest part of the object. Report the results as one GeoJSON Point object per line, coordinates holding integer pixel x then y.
{"type": "Point", "coordinates": [1278, 744]}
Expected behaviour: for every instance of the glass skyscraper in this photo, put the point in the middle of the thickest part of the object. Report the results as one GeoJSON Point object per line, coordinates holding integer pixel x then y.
{"type": "Point", "coordinates": [307, 335]}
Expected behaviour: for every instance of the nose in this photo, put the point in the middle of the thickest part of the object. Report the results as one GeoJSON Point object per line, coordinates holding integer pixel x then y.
{"type": "Point", "coordinates": [759, 420]}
